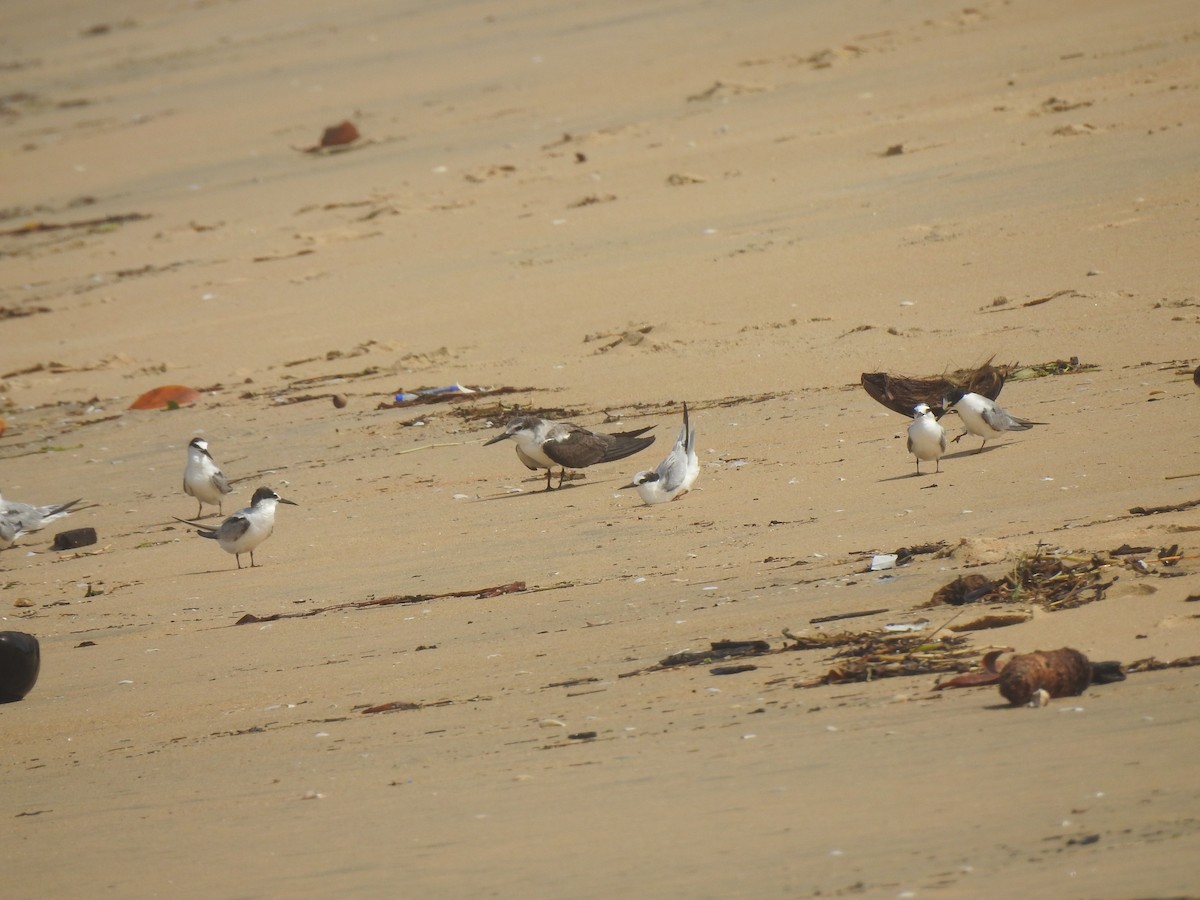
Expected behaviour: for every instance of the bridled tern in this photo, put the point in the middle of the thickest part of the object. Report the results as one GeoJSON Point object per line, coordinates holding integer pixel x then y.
{"type": "Point", "coordinates": [543, 444]}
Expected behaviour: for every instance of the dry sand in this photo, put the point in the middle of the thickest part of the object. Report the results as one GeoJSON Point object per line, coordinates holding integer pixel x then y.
{"type": "Point", "coordinates": [532, 176]}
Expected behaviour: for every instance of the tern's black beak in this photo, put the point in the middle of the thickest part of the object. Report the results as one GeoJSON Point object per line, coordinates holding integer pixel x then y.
{"type": "Point", "coordinates": [289, 502]}
{"type": "Point", "coordinates": [501, 436]}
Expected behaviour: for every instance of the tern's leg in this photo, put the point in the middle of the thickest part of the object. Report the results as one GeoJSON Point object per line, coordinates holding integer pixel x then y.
{"type": "Point", "coordinates": [238, 557]}
{"type": "Point", "coordinates": [562, 473]}
{"type": "Point", "coordinates": [549, 473]}
{"type": "Point", "coordinates": [981, 446]}
{"type": "Point", "coordinates": [252, 562]}
{"type": "Point", "coordinates": [199, 508]}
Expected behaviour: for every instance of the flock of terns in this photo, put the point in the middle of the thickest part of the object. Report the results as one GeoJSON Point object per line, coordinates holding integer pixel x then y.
{"type": "Point", "coordinates": [540, 444]}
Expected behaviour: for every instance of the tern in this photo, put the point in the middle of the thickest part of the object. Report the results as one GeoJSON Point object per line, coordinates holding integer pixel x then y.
{"type": "Point", "coordinates": [202, 478]}
{"type": "Point", "coordinates": [983, 417]}
{"type": "Point", "coordinates": [17, 519]}
{"type": "Point", "coordinates": [926, 437]}
{"type": "Point", "coordinates": [542, 444]}
{"type": "Point", "coordinates": [246, 528]}
{"type": "Point", "coordinates": [676, 474]}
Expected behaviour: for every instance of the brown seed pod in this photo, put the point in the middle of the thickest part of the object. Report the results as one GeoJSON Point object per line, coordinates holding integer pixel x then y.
{"type": "Point", "coordinates": [1061, 673]}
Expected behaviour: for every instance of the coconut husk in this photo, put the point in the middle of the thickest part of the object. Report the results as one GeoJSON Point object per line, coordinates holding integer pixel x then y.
{"type": "Point", "coordinates": [1060, 673]}
{"type": "Point", "coordinates": [901, 393]}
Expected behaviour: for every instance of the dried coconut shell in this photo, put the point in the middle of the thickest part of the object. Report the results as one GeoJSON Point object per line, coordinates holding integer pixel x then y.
{"type": "Point", "coordinates": [339, 135]}
{"type": "Point", "coordinates": [1060, 673]}
{"type": "Point", "coordinates": [169, 396]}
{"type": "Point", "coordinates": [901, 393]}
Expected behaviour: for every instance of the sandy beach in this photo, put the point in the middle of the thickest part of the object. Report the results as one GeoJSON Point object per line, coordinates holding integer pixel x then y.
{"type": "Point", "coordinates": [440, 680]}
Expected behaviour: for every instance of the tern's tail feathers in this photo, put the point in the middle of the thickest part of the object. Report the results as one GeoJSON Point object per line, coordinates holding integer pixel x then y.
{"type": "Point", "coordinates": [1022, 424]}
{"type": "Point", "coordinates": [62, 510]}
{"type": "Point", "coordinates": [202, 530]}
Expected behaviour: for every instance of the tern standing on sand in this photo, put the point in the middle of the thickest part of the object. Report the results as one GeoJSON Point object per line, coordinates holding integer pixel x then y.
{"type": "Point", "coordinates": [203, 478]}
{"type": "Point", "coordinates": [926, 437]}
{"type": "Point", "coordinates": [247, 528]}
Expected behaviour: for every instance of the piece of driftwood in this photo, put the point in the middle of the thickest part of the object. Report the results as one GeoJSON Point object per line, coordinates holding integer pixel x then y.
{"type": "Point", "coordinates": [718, 650]}
{"type": "Point", "coordinates": [847, 615]}
{"type": "Point", "coordinates": [1154, 510]}
{"type": "Point", "coordinates": [900, 393]}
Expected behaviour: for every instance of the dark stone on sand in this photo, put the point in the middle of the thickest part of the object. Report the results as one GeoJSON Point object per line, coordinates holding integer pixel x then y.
{"type": "Point", "coordinates": [76, 537]}
{"type": "Point", "coordinates": [20, 660]}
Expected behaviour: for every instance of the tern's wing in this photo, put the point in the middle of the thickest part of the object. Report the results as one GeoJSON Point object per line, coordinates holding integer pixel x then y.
{"type": "Point", "coordinates": [11, 528]}
{"type": "Point", "coordinates": [220, 482]}
{"type": "Point", "coordinates": [624, 443]}
{"type": "Point", "coordinates": [579, 448]}
{"type": "Point", "coordinates": [673, 470]}
{"type": "Point", "coordinates": [233, 528]}
{"type": "Point", "coordinates": [997, 418]}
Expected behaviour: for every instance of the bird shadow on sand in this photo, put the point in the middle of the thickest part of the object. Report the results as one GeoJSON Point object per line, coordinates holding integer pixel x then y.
{"type": "Point", "coordinates": [958, 454]}
{"type": "Point", "coordinates": [539, 491]}
{"type": "Point", "coordinates": [218, 571]}
{"type": "Point", "coordinates": [972, 451]}
{"type": "Point", "coordinates": [909, 475]}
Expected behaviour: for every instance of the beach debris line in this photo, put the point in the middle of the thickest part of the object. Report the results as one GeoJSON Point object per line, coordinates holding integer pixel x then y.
{"type": "Point", "coordinates": [1155, 510]}
{"type": "Point", "coordinates": [718, 650]}
{"type": "Point", "coordinates": [514, 587]}
{"type": "Point", "coordinates": [102, 223]}
{"type": "Point", "coordinates": [451, 393]}
{"type": "Point", "coordinates": [869, 656]}
{"type": "Point", "coordinates": [1052, 581]}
